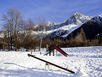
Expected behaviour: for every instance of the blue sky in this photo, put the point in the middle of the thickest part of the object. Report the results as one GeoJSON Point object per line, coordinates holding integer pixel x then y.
{"type": "Point", "coordinates": [52, 10]}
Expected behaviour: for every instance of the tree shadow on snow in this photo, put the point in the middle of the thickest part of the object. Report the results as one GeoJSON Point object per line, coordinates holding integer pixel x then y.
{"type": "Point", "coordinates": [30, 72]}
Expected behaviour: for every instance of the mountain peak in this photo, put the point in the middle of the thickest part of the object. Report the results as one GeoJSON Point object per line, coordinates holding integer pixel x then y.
{"type": "Point", "coordinates": [77, 14]}
{"type": "Point", "coordinates": [77, 18]}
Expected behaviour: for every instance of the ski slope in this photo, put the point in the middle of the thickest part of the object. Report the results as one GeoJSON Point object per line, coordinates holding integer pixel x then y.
{"type": "Point", "coordinates": [84, 61]}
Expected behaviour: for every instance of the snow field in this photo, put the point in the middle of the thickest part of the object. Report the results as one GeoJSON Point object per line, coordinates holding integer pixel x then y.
{"type": "Point", "coordinates": [84, 61]}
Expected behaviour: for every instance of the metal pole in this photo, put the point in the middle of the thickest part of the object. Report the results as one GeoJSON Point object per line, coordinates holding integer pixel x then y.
{"type": "Point", "coordinates": [51, 63]}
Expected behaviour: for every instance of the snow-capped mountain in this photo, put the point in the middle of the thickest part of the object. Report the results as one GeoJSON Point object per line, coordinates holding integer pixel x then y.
{"type": "Point", "coordinates": [76, 19]}
{"type": "Point", "coordinates": [64, 29]}
{"type": "Point", "coordinates": [91, 25]}
{"type": "Point", "coordinates": [91, 28]}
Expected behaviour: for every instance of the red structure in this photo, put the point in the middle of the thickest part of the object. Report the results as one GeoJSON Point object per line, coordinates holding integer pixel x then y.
{"type": "Point", "coordinates": [60, 50]}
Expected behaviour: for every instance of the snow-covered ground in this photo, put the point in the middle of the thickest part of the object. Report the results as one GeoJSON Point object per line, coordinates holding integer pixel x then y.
{"type": "Point", "coordinates": [84, 61]}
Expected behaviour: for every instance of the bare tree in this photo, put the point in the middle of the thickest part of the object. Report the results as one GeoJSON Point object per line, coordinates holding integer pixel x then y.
{"type": "Point", "coordinates": [12, 20]}
{"type": "Point", "coordinates": [42, 27]}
